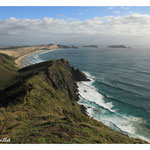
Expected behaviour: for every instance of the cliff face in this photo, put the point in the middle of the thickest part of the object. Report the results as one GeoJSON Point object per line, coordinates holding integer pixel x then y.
{"type": "Point", "coordinates": [40, 107]}
{"type": "Point", "coordinates": [58, 75]}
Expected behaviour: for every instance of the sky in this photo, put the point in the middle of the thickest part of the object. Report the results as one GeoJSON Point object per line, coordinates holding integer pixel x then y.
{"type": "Point", "coordinates": [74, 25]}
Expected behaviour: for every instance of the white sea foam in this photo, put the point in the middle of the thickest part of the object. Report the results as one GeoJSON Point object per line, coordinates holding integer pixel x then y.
{"type": "Point", "coordinates": [88, 92]}
{"type": "Point", "coordinates": [35, 58]}
{"type": "Point", "coordinates": [106, 113]}
{"type": "Point", "coordinates": [32, 59]}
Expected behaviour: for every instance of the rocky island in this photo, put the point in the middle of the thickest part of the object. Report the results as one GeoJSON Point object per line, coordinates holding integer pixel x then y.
{"type": "Point", "coordinates": [38, 104]}
{"type": "Point", "coordinates": [93, 46]}
{"type": "Point", "coordinates": [117, 46]}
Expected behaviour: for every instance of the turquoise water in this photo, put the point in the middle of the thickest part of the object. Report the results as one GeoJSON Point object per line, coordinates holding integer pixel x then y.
{"type": "Point", "coordinates": [119, 92]}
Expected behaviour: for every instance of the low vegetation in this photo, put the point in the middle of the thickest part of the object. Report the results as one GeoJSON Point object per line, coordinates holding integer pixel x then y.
{"type": "Point", "coordinates": [7, 70]}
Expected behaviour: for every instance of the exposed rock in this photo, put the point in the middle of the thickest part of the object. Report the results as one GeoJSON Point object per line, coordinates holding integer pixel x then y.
{"type": "Point", "coordinates": [79, 75]}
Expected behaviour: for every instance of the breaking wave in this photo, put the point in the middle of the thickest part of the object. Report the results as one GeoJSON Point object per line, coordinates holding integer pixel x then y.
{"type": "Point", "coordinates": [105, 112]}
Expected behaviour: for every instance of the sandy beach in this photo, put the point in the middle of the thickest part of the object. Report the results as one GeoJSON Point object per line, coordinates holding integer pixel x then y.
{"type": "Point", "coordinates": [20, 53]}
{"type": "Point", "coordinates": [19, 61]}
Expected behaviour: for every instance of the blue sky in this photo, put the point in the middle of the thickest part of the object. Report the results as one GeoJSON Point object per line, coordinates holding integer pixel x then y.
{"type": "Point", "coordinates": [80, 13]}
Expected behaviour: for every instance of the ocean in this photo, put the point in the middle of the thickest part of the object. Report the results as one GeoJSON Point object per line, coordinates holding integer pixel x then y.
{"type": "Point", "coordinates": [119, 91]}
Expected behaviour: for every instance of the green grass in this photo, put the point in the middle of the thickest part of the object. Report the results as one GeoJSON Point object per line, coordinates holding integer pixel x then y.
{"type": "Point", "coordinates": [7, 70]}
{"type": "Point", "coordinates": [40, 107]}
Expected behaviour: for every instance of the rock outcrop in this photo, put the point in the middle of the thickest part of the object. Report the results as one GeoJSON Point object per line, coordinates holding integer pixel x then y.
{"type": "Point", "coordinates": [79, 75]}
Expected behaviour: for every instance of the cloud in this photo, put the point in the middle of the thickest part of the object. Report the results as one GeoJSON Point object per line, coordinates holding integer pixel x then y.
{"type": "Point", "coordinates": [80, 14]}
{"type": "Point", "coordinates": [110, 8]}
{"type": "Point", "coordinates": [61, 15]}
{"type": "Point", "coordinates": [125, 7]}
{"type": "Point", "coordinates": [97, 30]}
{"type": "Point", "coordinates": [116, 12]}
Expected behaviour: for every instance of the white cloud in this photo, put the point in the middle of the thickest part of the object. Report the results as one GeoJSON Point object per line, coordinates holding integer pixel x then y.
{"type": "Point", "coordinates": [80, 14]}
{"type": "Point", "coordinates": [125, 7]}
{"type": "Point", "coordinates": [98, 30]}
{"type": "Point", "coordinates": [117, 12]}
{"type": "Point", "coordinates": [61, 15]}
{"type": "Point", "coordinates": [110, 8]}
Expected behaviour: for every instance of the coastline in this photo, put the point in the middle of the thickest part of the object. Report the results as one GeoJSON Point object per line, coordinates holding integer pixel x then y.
{"type": "Point", "coordinates": [84, 109]}
{"type": "Point", "coordinates": [20, 53]}
{"type": "Point", "coordinates": [19, 60]}
{"type": "Point", "coordinates": [78, 128]}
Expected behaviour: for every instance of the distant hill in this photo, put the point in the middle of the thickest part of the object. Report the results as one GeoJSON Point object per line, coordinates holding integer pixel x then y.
{"type": "Point", "coordinates": [19, 51]}
{"type": "Point", "coordinates": [40, 106]}
{"type": "Point", "coordinates": [37, 47]}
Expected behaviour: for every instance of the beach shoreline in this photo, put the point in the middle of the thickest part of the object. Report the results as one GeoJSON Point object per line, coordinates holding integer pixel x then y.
{"type": "Point", "coordinates": [20, 53]}
{"type": "Point", "coordinates": [19, 60]}
{"type": "Point", "coordinates": [20, 63]}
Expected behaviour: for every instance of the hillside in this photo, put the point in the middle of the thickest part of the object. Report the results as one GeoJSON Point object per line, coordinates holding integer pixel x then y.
{"type": "Point", "coordinates": [40, 106]}
{"type": "Point", "coordinates": [7, 70]}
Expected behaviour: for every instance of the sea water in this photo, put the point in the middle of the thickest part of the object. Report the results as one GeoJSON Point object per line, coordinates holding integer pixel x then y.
{"type": "Point", "coordinates": [119, 91]}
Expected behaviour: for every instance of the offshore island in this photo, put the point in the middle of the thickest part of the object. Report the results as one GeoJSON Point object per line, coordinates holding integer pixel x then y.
{"type": "Point", "coordinates": [93, 46]}
{"type": "Point", "coordinates": [117, 46]}
{"type": "Point", "coordinates": [38, 103]}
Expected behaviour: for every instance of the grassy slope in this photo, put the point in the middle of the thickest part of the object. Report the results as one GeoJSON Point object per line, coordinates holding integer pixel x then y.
{"type": "Point", "coordinates": [41, 107]}
{"type": "Point", "coordinates": [7, 70]}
